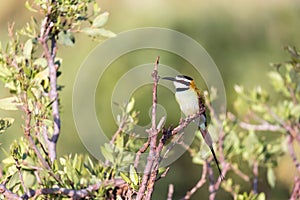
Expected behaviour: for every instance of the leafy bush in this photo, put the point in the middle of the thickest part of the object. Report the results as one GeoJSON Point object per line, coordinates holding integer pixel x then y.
{"type": "Point", "coordinates": [29, 68]}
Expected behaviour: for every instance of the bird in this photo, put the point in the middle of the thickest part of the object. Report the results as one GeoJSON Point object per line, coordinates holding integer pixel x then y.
{"type": "Point", "coordinates": [191, 101]}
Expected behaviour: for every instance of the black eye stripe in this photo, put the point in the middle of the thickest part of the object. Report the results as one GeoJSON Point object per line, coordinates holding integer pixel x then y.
{"type": "Point", "coordinates": [181, 89]}
{"type": "Point", "coordinates": [184, 76]}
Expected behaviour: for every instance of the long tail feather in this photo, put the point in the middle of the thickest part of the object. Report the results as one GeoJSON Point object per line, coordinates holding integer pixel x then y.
{"type": "Point", "coordinates": [217, 162]}
{"type": "Point", "coordinates": [207, 138]}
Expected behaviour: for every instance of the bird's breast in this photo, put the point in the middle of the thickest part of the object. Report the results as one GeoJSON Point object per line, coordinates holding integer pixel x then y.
{"type": "Point", "coordinates": [188, 101]}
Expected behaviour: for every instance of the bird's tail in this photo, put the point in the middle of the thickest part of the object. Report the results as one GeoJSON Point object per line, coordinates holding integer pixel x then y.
{"type": "Point", "coordinates": [208, 140]}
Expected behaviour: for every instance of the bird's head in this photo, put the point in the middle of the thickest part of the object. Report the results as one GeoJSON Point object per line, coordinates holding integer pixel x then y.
{"type": "Point", "coordinates": [181, 82]}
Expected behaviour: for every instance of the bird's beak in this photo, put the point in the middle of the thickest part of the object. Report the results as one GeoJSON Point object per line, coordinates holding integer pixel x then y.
{"type": "Point", "coordinates": [169, 78]}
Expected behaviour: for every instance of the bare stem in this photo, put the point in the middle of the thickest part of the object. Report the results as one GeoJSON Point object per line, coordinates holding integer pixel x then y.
{"type": "Point", "coordinates": [211, 187]}
{"type": "Point", "coordinates": [148, 172]}
{"type": "Point", "coordinates": [199, 184]}
{"type": "Point", "coordinates": [170, 192]}
{"type": "Point", "coordinates": [296, 189]}
{"type": "Point", "coordinates": [292, 152]}
{"type": "Point", "coordinates": [255, 179]}
{"type": "Point", "coordinates": [8, 194]}
{"type": "Point", "coordinates": [50, 54]}
{"type": "Point", "coordinates": [20, 175]}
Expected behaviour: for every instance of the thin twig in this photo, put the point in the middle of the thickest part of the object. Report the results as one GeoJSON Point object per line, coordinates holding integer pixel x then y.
{"type": "Point", "coordinates": [185, 122]}
{"type": "Point", "coordinates": [164, 174]}
{"type": "Point", "coordinates": [20, 175]}
{"type": "Point", "coordinates": [120, 129]}
{"type": "Point", "coordinates": [292, 152]}
{"type": "Point", "coordinates": [255, 178]}
{"type": "Point", "coordinates": [260, 127]}
{"type": "Point", "coordinates": [199, 184]}
{"type": "Point", "coordinates": [170, 192]}
{"type": "Point", "coordinates": [140, 152]}
{"type": "Point", "coordinates": [238, 172]}
{"type": "Point", "coordinates": [211, 187]}
{"type": "Point", "coordinates": [27, 133]}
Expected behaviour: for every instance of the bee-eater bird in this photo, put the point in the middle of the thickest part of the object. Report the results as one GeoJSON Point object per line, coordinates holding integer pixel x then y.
{"type": "Point", "coordinates": [191, 101]}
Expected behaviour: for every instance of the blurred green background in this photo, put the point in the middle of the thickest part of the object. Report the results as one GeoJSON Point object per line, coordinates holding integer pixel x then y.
{"type": "Point", "coordinates": [242, 37]}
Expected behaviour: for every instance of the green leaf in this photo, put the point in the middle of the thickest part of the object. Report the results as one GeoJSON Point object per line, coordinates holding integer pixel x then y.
{"type": "Point", "coordinates": [271, 177]}
{"type": "Point", "coordinates": [5, 72]}
{"type": "Point", "coordinates": [133, 175]}
{"type": "Point", "coordinates": [62, 161]}
{"type": "Point", "coordinates": [276, 80]}
{"type": "Point", "coordinates": [125, 178]}
{"type": "Point", "coordinates": [42, 76]}
{"type": "Point", "coordinates": [106, 33]}
{"type": "Point", "coordinates": [66, 38]}
{"type": "Point", "coordinates": [95, 32]}
{"type": "Point", "coordinates": [27, 50]}
{"type": "Point", "coordinates": [119, 141]}
{"type": "Point", "coordinates": [107, 152]}
{"type": "Point", "coordinates": [130, 105]}
{"type": "Point", "coordinates": [100, 20]}
{"type": "Point", "coordinates": [261, 196]}
{"type": "Point", "coordinates": [5, 123]}
{"type": "Point", "coordinates": [295, 111]}
{"type": "Point", "coordinates": [28, 6]}
{"type": "Point", "coordinates": [41, 62]}
{"type": "Point", "coordinates": [14, 180]}
{"type": "Point", "coordinates": [30, 179]}
{"type": "Point", "coordinates": [96, 8]}
{"type": "Point", "coordinates": [9, 103]}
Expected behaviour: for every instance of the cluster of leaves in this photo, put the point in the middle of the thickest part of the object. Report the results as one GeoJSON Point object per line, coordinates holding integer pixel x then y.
{"type": "Point", "coordinates": [259, 113]}
{"type": "Point", "coordinates": [24, 70]}
{"type": "Point", "coordinates": [74, 172]}
{"type": "Point", "coordinates": [120, 151]}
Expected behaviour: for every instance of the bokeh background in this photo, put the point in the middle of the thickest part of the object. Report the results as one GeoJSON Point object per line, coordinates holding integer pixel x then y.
{"type": "Point", "coordinates": [242, 37]}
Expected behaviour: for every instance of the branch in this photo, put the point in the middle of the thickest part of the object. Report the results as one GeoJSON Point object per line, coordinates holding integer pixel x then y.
{"type": "Point", "coordinates": [238, 172]}
{"type": "Point", "coordinates": [170, 192]}
{"type": "Point", "coordinates": [260, 127]}
{"type": "Point", "coordinates": [139, 153]}
{"type": "Point", "coordinates": [120, 129]}
{"type": "Point", "coordinates": [296, 189]}
{"type": "Point", "coordinates": [200, 183]}
{"type": "Point", "coordinates": [255, 179]}
{"type": "Point", "coordinates": [50, 55]}
{"type": "Point", "coordinates": [211, 187]}
{"type": "Point", "coordinates": [8, 194]}
{"type": "Point", "coordinates": [152, 143]}
{"type": "Point", "coordinates": [75, 194]}
{"type": "Point", "coordinates": [27, 133]}
{"type": "Point", "coordinates": [147, 143]}
{"type": "Point", "coordinates": [292, 152]}
{"type": "Point", "coordinates": [20, 175]}
{"type": "Point", "coordinates": [185, 122]}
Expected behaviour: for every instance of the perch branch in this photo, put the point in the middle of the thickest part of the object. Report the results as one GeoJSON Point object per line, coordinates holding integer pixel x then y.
{"type": "Point", "coordinates": [148, 173]}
